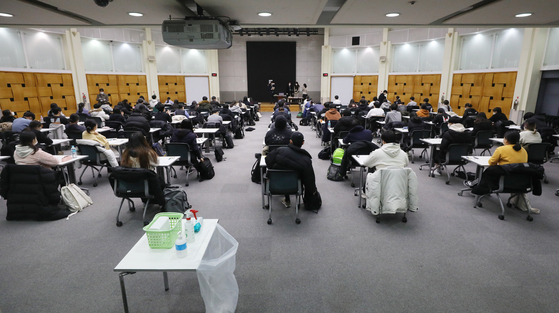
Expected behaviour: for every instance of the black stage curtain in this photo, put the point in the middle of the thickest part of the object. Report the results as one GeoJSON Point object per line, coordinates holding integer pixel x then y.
{"type": "Point", "coordinates": [270, 60]}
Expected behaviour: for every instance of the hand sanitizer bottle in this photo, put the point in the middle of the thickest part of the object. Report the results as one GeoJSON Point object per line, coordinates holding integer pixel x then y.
{"type": "Point", "coordinates": [74, 152]}
{"type": "Point", "coordinates": [189, 227]}
{"type": "Point", "coordinates": [180, 246]}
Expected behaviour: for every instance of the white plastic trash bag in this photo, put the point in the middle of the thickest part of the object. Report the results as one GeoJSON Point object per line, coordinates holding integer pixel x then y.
{"type": "Point", "coordinates": [218, 285]}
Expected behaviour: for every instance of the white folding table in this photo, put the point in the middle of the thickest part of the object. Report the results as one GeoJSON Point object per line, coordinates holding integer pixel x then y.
{"type": "Point", "coordinates": [360, 159]}
{"type": "Point", "coordinates": [164, 166]}
{"type": "Point", "coordinates": [432, 142]}
{"type": "Point", "coordinates": [69, 165]}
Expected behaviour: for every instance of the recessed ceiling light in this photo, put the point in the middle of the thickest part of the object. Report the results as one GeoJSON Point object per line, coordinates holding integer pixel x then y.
{"type": "Point", "coordinates": [265, 14]}
{"type": "Point", "coordinates": [523, 14]}
{"type": "Point", "coordinates": [135, 14]}
{"type": "Point", "coordinates": [392, 14]}
{"type": "Point", "coordinates": [6, 15]}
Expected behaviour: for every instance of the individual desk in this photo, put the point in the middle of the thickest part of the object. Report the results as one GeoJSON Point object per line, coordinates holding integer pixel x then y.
{"type": "Point", "coordinates": [360, 159]}
{"type": "Point", "coordinates": [432, 142]}
{"type": "Point", "coordinates": [53, 130]}
{"type": "Point", "coordinates": [118, 143]}
{"type": "Point", "coordinates": [69, 165]}
{"type": "Point", "coordinates": [58, 142]}
{"type": "Point", "coordinates": [141, 258]}
{"type": "Point", "coordinates": [481, 162]}
{"type": "Point", "coordinates": [103, 129]}
{"type": "Point", "coordinates": [515, 127]}
{"type": "Point", "coordinates": [164, 165]}
{"type": "Point", "coordinates": [151, 131]}
{"type": "Point", "coordinates": [381, 122]}
{"type": "Point", "coordinates": [201, 141]}
{"type": "Point", "coordinates": [401, 130]}
{"type": "Point", "coordinates": [497, 140]}
{"type": "Point", "coordinates": [204, 132]}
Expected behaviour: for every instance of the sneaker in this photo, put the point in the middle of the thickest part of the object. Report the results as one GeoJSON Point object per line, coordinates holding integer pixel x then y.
{"type": "Point", "coordinates": [471, 184]}
{"type": "Point", "coordinates": [535, 211]}
{"type": "Point", "coordinates": [363, 196]}
{"type": "Point", "coordinates": [286, 203]}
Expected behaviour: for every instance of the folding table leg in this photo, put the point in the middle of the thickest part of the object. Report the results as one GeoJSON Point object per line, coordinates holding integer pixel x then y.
{"type": "Point", "coordinates": [166, 281]}
{"type": "Point", "coordinates": [123, 289]}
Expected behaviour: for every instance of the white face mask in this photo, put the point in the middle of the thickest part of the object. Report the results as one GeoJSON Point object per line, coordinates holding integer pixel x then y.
{"type": "Point", "coordinates": [102, 93]}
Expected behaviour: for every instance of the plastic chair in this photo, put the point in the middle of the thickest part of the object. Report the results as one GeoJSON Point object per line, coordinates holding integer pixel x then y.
{"type": "Point", "coordinates": [454, 157]}
{"type": "Point", "coordinates": [415, 142]}
{"type": "Point", "coordinates": [128, 186]}
{"type": "Point", "coordinates": [537, 154]}
{"type": "Point", "coordinates": [97, 120]}
{"type": "Point", "coordinates": [92, 161]}
{"type": "Point", "coordinates": [181, 150]}
{"type": "Point", "coordinates": [505, 187]}
{"type": "Point", "coordinates": [283, 182]}
{"type": "Point", "coordinates": [74, 136]}
{"type": "Point", "coordinates": [482, 141]}
{"type": "Point", "coordinates": [82, 117]}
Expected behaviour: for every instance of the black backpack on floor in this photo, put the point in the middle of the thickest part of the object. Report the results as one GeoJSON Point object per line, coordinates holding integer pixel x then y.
{"type": "Point", "coordinates": [239, 134]}
{"type": "Point", "coordinates": [206, 169]}
{"type": "Point", "coordinates": [176, 199]}
{"type": "Point", "coordinates": [325, 153]}
{"type": "Point", "coordinates": [228, 142]}
{"type": "Point", "coordinates": [219, 154]}
{"type": "Point", "coordinates": [255, 172]}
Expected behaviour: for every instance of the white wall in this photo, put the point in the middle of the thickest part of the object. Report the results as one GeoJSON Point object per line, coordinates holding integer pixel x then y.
{"type": "Point", "coordinates": [233, 65]}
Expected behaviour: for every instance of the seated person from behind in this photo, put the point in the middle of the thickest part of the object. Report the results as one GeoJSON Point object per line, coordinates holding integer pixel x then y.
{"type": "Point", "coordinates": [7, 117]}
{"type": "Point", "coordinates": [481, 123]}
{"type": "Point", "coordinates": [57, 118]}
{"type": "Point", "coordinates": [181, 111]}
{"type": "Point", "coordinates": [281, 111]}
{"type": "Point", "coordinates": [280, 134]}
{"type": "Point", "coordinates": [27, 153]}
{"type": "Point", "coordinates": [445, 106]}
{"type": "Point", "coordinates": [137, 121]}
{"type": "Point", "coordinates": [215, 117]}
{"type": "Point", "coordinates": [456, 134]}
{"type": "Point", "coordinates": [73, 126]}
{"type": "Point", "coordinates": [469, 111]}
{"type": "Point", "coordinates": [185, 134]}
{"type": "Point", "coordinates": [35, 127]}
{"type": "Point", "coordinates": [82, 109]}
{"type": "Point", "coordinates": [358, 133]}
{"type": "Point", "coordinates": [415, 123]}
{"type": "Point", "coordinates": [52, 106]}
{"type": "Point", "coordinates": [293, 157]}
{"type": "Point", "coordinates": [117, 116]}
{"type": "Point", "coordinates": [394, 115]}
{"type": "Point", "coordinates": [376, 111]}
{"type": "Point", "coordinates": [345, 123]}
{"type": "Point", "coordinates": [440, 118]}
{"type": "Point", "coordinates": [423, 112]}
{"type": "Point", "coordinates": [138, 153]}
{"type": "Point", "coordinates": [91, 133]}
{"type": "Point", "coordinates": [235, 108]}
{"type": "Point", "coordinates": [21, 123]}
{"type": "Point", "coordinates": [106, 107]}
{"type": "Point", "coordinates": [528, 135]}
{"type": "Point", "coordinates": [412, 102]}
{"type": "Point", "coordinates": [162, 114]}
{"type": "Point", "coordinates": [389, 154]}
{"type": "Point", "coordinates": [498, 115]}
{"type": "Point", "coordinates": [332, 114]}
{"type": "Point", "coordinates": [98, 112]}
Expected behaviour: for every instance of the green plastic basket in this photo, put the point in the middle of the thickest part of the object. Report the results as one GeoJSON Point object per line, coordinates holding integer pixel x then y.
{"type": "Point", "coordinates": [164, 239]}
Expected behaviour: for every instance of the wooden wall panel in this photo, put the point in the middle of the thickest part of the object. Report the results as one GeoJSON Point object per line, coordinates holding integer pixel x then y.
{"type": "Point", "coordinates": [418, 86]}
{"type": "Point", "coordinates": [117, 87]}
{"type": "Point", "coordinates": [484, 91]}
{"type": "Point", "coordinates": [365, 86]}
{"type": "Point", "coordinates": [20, 92]}
{"type": "Point", "coordinates": [172, 86]}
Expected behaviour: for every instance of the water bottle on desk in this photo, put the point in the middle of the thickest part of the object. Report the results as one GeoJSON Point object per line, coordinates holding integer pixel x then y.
{"type": "Point", "coordinates": [329, 124]}
{"type": "Point", "coordinates": [74, 152]}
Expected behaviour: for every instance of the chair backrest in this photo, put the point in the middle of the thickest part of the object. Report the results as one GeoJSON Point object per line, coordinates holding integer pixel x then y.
{"type": "Point", "coordinates": [212, 125]}
{"type": "Point", "coordinates": [444, 128]}
{"type": "Point", "coordinates": [74, 136]}
{"type": "Point", "coordinates": [483, 138]}
{"type": "Point", "coordinates": [455, 152]}
{"type": "Point", "coordinates": [116, 125]}
{"type": "Point", "coordinates": [416, 137]}
{"type": "Point", "coordinates": [82, 117]}
{"type": "Point", "coordinates": [97, 120]}
{"type": "Point", "coordinates": [282, 182]}
{"type": "Point", "coordinates": [274, 147]}
{"type": "Point", "coordinates": [179, 149]}
{"type": "Point", "coordinates": [131, 182]}
{"type": "Point", "coordinates": [91, 152]}
{"type": "Point", "coordinates": [515, 183]}
{"type": "Point", "coordinates": [537, 152]}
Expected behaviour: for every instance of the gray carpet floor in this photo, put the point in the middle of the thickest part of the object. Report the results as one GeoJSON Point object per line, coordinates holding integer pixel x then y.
{"type": "Point", "coordinates": [449, 257]}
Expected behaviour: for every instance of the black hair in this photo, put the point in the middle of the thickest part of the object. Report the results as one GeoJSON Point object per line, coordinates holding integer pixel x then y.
{"type": "Point", "coordinates": [528, 115]}
{"type": "Point", "coordinates": [204, 98]}
{"type": "Point", "coordinates": [336, 97]}
{"type": "Point", "coordinates": [305, 85]}
{"type": "Point", "coordinates": [426, 100]}
{"type": "Point", "coordinates": [498, 110]}
{"type": "Point", "coordinates": [160, 107]}
{"type": "Point", "coordinates": [101, 89]}
{"type": "Point", "coordinates": [7, 113]}
{"type": "Point", "coordinates": [389, 137]}
{"type": "Point", "coordinates": [81, 105]}
{"type": "Point", "coordinates": [412, 98]}
{"type": "Point", "coordinates": [154, 97]}
{"type": "Point", "coordinates": [415, 118]}
{"type": "Point", "coordinates": [362, 102]}
{"type": "Point", "coordinates": [440, 110]}
{"type": "Point", "coordinates": [181, 105]}
{"type": "Point", "coordinates": [346, 113]}
{"type": "Point", "coordinates": [55, 110]}
{"type": "Point", "coordinates": [53, 105]}
{"type": "Point", "coordinates": [385, 91]}
{"type": "Point", "coordinates": [468, 105]}
{"type": "Point", "coordinates": [186, 124]}
{"type": "Point", "coordinates": [213, 98]}
{"type": "Point", "coordinates": [74, 117]}
{"type": "Point", "coordinates": [424, 106]}
{"type": "Point", "coordinates": [446, 102]}
{"type": "Point", "coordinates": [34, 124]}
{"type": "Point", "coordinates": [481, 116]}
{"type": "Point", "coordinates": [393, 107]}
{"type": "Point", "coordinates": [513, 137]}
{"type": "Point", "coordinates": [26, 139]}
{"type": "Point", "coordinates": [116, 111]}
{"type": "Point", "coordinates": [528, 125]}
{"type": "Point", "coordinates": [176, 101]}
{"type": "Point", "coordinates": [376, 104]}
{"type": "Point", "coordinates": [281, 122]}
{"type": "Point", "coordinates": [90, 125]}
{"type": "Point", "coordinates": [375, 99]}
{"type": "Point", "coordinates": [97, 105]}
{"type": "Point", "coordinates": [29, 114]}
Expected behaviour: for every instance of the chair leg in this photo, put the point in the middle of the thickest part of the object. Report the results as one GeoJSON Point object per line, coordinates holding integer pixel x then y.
{"type": "Point", "coordinates": [529, 217]}
{"type": "Point", "coordinates": [131, 206]}
{"type": "Point", "coordinates": [298, 199]}
{"type": "Point", "coordinates": [502, 215]}
{"type": "Point", "coordinates": [269, 209]}
{"type": "Point", "coordinates": [84, 168]}
{"type": "Point", "coordinates": [144, 215]}
{"type": "Point", "coordinates": [447, 174]}
{"type": "Point", "coordinates": [118, 222]}
{"type": "Point", "coordinates": [174, 171]}
{"type": "Point", "coordinates": [187, 173]}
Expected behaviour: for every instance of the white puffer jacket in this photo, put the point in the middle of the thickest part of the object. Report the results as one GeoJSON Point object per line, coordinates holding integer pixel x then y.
{"type": "Point", "coordinates": [392, 190]}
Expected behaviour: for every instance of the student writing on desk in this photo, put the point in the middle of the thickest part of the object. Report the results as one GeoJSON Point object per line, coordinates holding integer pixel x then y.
{"type": "Point", "coordinates": [28, 154]}
{"type": "Point", "coordinates": [91, 133]}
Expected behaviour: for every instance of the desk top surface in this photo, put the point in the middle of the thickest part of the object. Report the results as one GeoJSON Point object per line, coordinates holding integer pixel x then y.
{"type": "Point", "coordinates": [4, 157]}
{"type": "Point", "coordinates": [513, 127]}
{"type": "Point", "coordinates": [142, 258]}
{"type": "Point", "coordinates": [103, 129]}
{"type": "Point", "coordinates": [499, 140]}
{"type": "Point", "coordinates": [201, 140]}
{"type": "Point", "coordinates": [432, 141]}
{"type": "Point", "coordinates": [360, 159]}
{"type": "Point", "coordinates": [63, 163]}
{"type": "Point", "coordinates": [206, 130]}
{"type": "Point", "coordinates": [226, 122]}
{"type": "Point", "coordinates": [59, 141]}
{"type": "Point", "coordinates": [401, 130]}
{"type": "Point", "coordinates": [479, 160]}
{"type": "Point", "coordinates": [153, 130]}
{"type": "Point", "coordinates": [117, 141]}
{"type": "Point", "coordinates": [166, 161]}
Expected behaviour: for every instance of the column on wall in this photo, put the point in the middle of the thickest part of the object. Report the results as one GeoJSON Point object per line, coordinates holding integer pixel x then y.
{"type": "Point", "coordinates": [384, 66]}
{"type": "Point", "coordinates": [326, 67]}
{"type": "Point", "coordinates": [212, 60]}
{"type": "Point", "coordinates": [529, 75]}
{"type": "Point", "coordinates": [74, 57]}
{"type": "Point", "coordinates": [449, 61]}
{"type": "Point", "coordinates": [150, 64]}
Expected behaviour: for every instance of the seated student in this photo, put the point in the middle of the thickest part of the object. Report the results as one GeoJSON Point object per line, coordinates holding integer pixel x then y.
{"type": "Point", "coordinates": [235, 108]}
{"type": "Point", "coordinates": [27, 153]}
{"type": "Point", "coordinates": [52, 106]}
{"type": "Point", "coordinates": [529, 134]}
{"type": "Point", "coordinates": [498, 115]}
{"type": "Point", "coordinates": [82, 109]}
{"type": "Point", "coordinates": [7, 117]}
{"type": "Point", "coordinates": [22, 123]}
{"type": "Point", "coordinates": [153, 101]}
{"type": "Point", "coordinates": [107, 107]}
{"type": "Point", "coordinates": [386, 104]}
{"type": "Point", "coordinates": [35, 127]}
{"type": "Point", "coordinates": [345, 123]}
{"type": "Point", "coordinates": [293, 157]}
{"type": "Point", "coordinates": [162, 114]}
{"type": "Point", "coordinates": [281, 111]}
{"type": "Point", "coordinates": [427, 104]}
{"type": "Point", "coordinates": [181, 111]}
{"type": "Point", "coordinates": [168, 101]}
{"type": "Point", "coordinates": [445, 106]}
{"type": "Point", "coordinates": [416, 123]}
{"type": "Point", "coordinates": [424, 111]}
{"type": "Point", "coordinates": [138, 153]}
{"type": "Point", "coordinates": [215, 117]}
{"type": "Point", "coordinates": [225, 111]}
{"type": "Point", "coordinates": [73, 126]}
{"type": "Point", "coordinates": [91, 133]}
{"type": "Point", "coordinates": [358, 133]}
{"type": "Point", "coordinates": [98, 112]}
{"type": "Point", "coordinates": [124, 107]}
{"type": "Point", "coordinates": [280, 134]}
{"type": "Point", "coordinates": [185, 134]}
{"type": "Point", "coordinates": [440, 119]}
{"type": "Point", "coordinates": [456, 134]}
{"type": "Point", "coordinates": [332, 114]}
{"type": "Point", "coordinates": [137, 121]}
{"type": "Point", "coordinates": [57, 117]}
{"type": "Point", "coordinates": [481, 123]}
{"type": "Point", "coordinates": [394, 115]}
{"type": "Point", "coordinates": [469, 111]}
{"type": "Point", "coordinates": [143, 109]}
{"type": "Point", "coordinates": [215, 104]}
{"type": "Point", "coordinates": [412, 102]}
{"type": "Point", "coordinates": [389, 154]}
{"type": "Point", "coordinates": [204, 104]}
{"type": "Point", "coordinates": [376, 111]}
{"type": "Point", "coordinates": [117, 116]}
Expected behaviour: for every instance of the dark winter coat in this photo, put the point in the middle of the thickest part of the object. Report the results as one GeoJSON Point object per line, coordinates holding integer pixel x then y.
{"type": "Point", "coordinates": [358, 133]}
{"type": "Point", "coordinates": [490, 178]}
{"type": "Point", "coordinates": [345, 123]}
{"type": "Point", "coordinates": [278, 137]}
{"type": "Point", "coordinates": [297, 159]}
{"type": "Point", "coordinates": [187, 136]}
{"type": "Point", "coordinates": [138, 122]}
{"type": "Point", "coordinates": [451, 137]}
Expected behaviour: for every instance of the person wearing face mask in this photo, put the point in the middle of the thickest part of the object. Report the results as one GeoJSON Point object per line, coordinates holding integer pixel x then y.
{"type": "Point", "coordinates": [27, 153]}
{"type": "Point", "coordinates": [102, 97]}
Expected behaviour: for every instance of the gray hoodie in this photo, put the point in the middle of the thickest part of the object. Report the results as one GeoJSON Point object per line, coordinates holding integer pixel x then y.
{"type": "Point", "coordinates": [389, 154]}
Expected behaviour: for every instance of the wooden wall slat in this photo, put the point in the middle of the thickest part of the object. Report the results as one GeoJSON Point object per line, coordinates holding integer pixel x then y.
{"type": "Point", "coordinates": [117, 87]}
{"type": "Point", "coordinates": [173, 87]}
{"type": "Point", "coordinates": [418, 86]}
{"type": "Point", "coordinates": [365, 86]}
